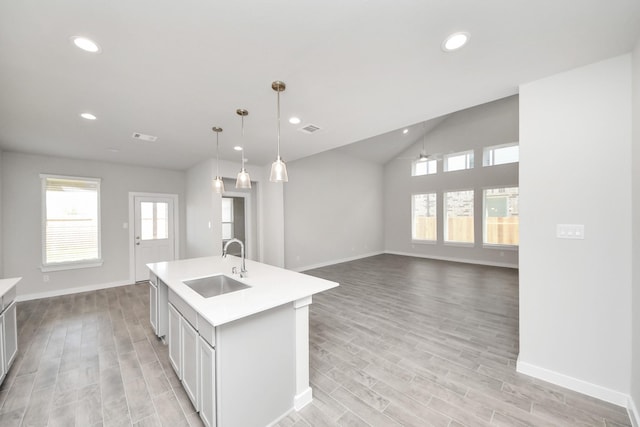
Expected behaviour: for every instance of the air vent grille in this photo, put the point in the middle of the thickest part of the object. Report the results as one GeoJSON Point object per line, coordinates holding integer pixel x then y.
{"type": "Point", "coordinates": [142, 136]}
{"type": "Point", "coordinates": [310, 128]}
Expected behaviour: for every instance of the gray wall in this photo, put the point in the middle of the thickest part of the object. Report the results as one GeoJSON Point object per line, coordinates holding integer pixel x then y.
{"type": "Point", "coordinates": [204, 212]}
{"type": "Point", "coordinates": [635, 184]}
{"type": "Point", "coordinates": [1, 240]}
{"type": "Point", "coordinates": [575, 309]}
{"type": "Point", "coordinates": [333, 210]}
{"type": "Point", "coordinates": [21, 211]}
{"type": "Point", "coordinates": [485, 125]}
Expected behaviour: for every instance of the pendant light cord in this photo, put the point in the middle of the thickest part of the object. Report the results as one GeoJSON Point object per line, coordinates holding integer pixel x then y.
{"type": "Point", "coordinates": [217, 155]}
{"type": "Point", "coordinates": [242, 152]}
{"type": "Point", "coordinates": [278, 124]}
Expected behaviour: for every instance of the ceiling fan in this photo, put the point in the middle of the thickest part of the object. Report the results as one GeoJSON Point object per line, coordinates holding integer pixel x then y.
{"type": "Point", "coordinates": [424, 156]}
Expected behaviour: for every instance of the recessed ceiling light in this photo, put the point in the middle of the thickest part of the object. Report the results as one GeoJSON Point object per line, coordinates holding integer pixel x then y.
{"type": "Point", "coordinates": [294, 120]}
{"type": "Point", "coordinates": [86, 44]}
{"type": "Point", "coordinates": [88, 116]}
{"type": "Point", "coordinates": [113, 150]}
{"type": "Point", "coordinates": [406, 131]}
{"type": "Point", "coordinates": [237, 148]}
{"type": "Point", "coordinates": [455, 41]}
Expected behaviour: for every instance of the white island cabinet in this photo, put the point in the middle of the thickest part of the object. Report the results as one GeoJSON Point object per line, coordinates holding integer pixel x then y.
{"type": "Point", "coordinates": [242, 356]}
{"type": "Point", "coordinates": [8, 325]}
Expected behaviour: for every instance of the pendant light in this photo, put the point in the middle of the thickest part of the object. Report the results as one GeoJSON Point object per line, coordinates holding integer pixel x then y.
{"type": "Point", "coordinates": [218, 184]}
{"type": "Point", "coordinates": [278, 168]}
{"type": "Point", "coordinates": [423, 157]}
{"type": "Point", "coordinates": [243, 180]}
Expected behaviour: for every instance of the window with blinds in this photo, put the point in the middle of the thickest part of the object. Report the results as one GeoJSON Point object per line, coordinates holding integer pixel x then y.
{"type": "Point", "coordinates": [71, 222]}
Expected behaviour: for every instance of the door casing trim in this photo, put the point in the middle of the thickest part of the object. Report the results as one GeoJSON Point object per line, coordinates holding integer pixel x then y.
{"type": "Point", "coordinates": [176, 227]}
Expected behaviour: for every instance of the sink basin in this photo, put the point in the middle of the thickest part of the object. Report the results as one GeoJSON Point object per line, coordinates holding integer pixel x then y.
{"type": "Point", "coordinates": [212, 286]}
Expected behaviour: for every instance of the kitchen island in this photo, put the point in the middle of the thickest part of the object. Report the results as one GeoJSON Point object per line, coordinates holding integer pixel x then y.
{"type": "Point", "coordinates": [242, 356]}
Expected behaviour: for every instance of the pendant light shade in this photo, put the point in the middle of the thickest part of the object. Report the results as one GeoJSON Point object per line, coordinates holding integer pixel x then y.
{"type": "Point", "coordinates": [278, 168]}
{"type": "Point", "coordinates": [243, 180]}
{"type": "Point", "coordinates": [217, 184]}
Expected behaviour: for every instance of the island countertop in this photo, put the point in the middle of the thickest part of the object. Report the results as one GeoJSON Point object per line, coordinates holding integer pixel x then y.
{"type": "Point", "coordinates": [7, 284]}
{"type": "Point", "coordinates": [269, 286]}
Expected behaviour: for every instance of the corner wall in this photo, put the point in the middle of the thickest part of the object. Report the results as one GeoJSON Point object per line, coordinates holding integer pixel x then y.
{"type": "Point", "coordinates": [635, 185]}
{"type": "Point", "coordinates": [485, 125]}
{"type": "Point", "coordinates": [575, 309]}
{"type": "Point", "coordinates": [22, 215]}
{"type": "Point", "coordinates": [1, 239]}
{"type": "Point", "coordinates": [333, 210]}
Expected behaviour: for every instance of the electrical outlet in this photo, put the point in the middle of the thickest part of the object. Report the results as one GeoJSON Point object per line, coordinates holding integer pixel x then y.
{"type": "Point", "coordinates": [45, 278]}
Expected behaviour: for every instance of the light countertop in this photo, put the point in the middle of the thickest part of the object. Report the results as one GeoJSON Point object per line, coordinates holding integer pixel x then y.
{"type": "Point", "coordinates": [270, 286]}
{"type": "Point", "coordinates": [7, 284]}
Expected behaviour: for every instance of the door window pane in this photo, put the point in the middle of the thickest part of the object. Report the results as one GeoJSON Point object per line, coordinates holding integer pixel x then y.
{"type": "Point", "coordinates": [227, 218]}
{"type": "Point", "coordinates": [501, 218]}
{"type": "Point", "coordinates": [424, 210]}
{"type": "Point", "coordinates": [154, 220]}
{"type": "Point", "coordinates": [458, 216]}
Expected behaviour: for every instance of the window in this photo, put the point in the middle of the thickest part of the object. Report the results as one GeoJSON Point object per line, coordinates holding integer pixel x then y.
{"type": "Point", "coordinates": [501, 220]}
{"type": "Point", "coordinates": [154, 220]}
{"type": "Point", "coordinates": [458, 216]}
{"type": "Point", "coordinates": [501, 154]}
{"type": "Point", "coordinates": [227, 218]}
{"type": "Point", "coordinates": [424, 210]}
{"type": "Point", "coordinates": [424, 167]}
{"type": "Point", "coordinates": [71, 222]}
{"type": "Point", "coordinates": [458, 161]}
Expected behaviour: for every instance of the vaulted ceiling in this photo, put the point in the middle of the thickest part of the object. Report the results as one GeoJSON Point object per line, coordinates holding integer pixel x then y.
{"type": "Point", "coordinates": [356, 69]}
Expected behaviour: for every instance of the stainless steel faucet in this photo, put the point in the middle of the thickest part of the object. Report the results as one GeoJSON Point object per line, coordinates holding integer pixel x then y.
{"type": "Point", "coordinates": [243, 270]}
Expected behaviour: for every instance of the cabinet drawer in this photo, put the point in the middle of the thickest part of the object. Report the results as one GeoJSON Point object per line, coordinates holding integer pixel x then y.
{"type": "Point", "coordinates": [207, 331]}
{"type": "Point", "coordinates": [187, 312]}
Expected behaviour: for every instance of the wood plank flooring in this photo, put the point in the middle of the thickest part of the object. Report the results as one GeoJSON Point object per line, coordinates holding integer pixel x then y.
{"type": "Point", "coordinates": [402, 341]}
{"type": "Point", "coordinates": [417, 342]}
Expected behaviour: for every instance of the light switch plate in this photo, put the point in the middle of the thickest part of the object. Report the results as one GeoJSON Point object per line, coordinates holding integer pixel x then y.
{"type": "Point", "coordinates": [570, 231]}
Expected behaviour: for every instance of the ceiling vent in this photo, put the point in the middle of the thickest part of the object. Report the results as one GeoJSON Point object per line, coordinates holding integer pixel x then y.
{"type": "Point", "coordinates": [142, 136]}
{"type": "Point", "coordinates": [310, 128]}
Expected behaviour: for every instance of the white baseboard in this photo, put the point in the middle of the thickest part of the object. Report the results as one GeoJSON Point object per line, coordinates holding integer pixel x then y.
{"type": "Point", "coordinates": [634, 415]}
{"type": "Point", "coordinates": [302, 399]}
{"type": "Point", "coordinates": [67, 291]}
{"type": "Point", "coordinates": [464, 260]}
{"type": "Point", "coordinates": [335, 261]}
{"type": "Point", "coordinates": [575, 384]}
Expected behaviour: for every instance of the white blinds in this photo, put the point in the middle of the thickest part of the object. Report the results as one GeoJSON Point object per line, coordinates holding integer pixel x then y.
{"type": "Point", "coordinates": [71, 220]}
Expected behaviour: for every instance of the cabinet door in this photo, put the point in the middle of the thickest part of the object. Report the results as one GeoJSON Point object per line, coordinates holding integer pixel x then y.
{"type": "Point", "coordinates": [10, 336]}
{"type": "Point", "coordinates": [190, 371]}
{"type": "Point", "coordinates": [207, 383]}
{"type": "Point", "coordinates": [153, 307]}
{"type": "Point", "coordinates": [174, 340]}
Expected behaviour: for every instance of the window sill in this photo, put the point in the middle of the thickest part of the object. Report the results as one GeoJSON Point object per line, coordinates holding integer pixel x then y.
{"type": "Point", "coordinates": [71, 265]}
{"type": "Point", "coordinates": [423, 242]}
{"type": "Point", "coordinates": [500, 247]}
{"type": "Point", "coordinates": [460, 244]}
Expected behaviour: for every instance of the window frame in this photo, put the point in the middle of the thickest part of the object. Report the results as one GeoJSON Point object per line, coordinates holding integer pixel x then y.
{"type": "Point", "coordinates": [445, 218]}
{"type": "Point", "coordinates": [68, 265]}
{"type": "Point", "coordinates": [486, 151]}
{"type": "Point", "coordinates": [423, 241]}
{"type": "Point", "coordinates": [469, 160]}
{"type": "Point", "coordinates": [484, 222]}
{"type": "Point", "coordinates": [427, 162]}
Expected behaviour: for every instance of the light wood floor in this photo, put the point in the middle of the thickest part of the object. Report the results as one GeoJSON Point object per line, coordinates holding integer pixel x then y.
{"type": "Point", "coordinates": [402, 341]}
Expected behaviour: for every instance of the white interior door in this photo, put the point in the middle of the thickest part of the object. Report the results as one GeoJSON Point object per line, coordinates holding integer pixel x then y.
{"type": "Point", "coordinates": [154, 233]}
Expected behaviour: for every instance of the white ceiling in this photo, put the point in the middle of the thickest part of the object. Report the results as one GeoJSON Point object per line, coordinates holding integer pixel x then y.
{"type": "Point", "coordinates": [356, 68]}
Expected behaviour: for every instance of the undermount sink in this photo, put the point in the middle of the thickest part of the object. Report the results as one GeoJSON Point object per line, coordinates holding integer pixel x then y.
{"type": "Point", "coordinates": [212, 286]}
